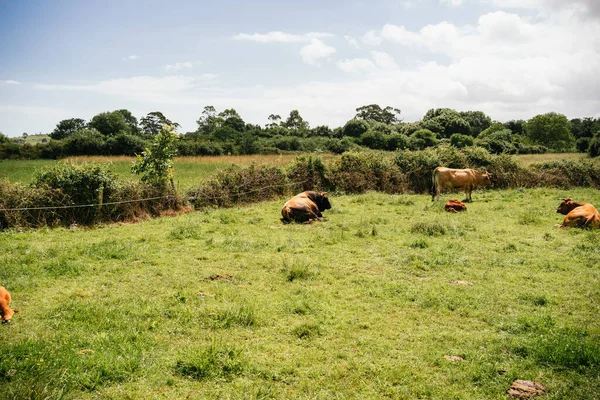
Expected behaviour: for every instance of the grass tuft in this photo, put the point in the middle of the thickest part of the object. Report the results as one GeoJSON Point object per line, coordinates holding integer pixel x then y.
{"type": "Point", "coordinates": [215, 361]}
{"type": "Point", "coordinates": [429, 228]}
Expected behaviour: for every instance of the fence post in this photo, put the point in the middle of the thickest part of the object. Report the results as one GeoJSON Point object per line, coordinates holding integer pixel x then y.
{"type": "Point", "coordinates": [100, 199]}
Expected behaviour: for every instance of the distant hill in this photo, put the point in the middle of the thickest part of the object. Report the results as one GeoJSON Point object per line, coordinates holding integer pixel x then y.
{"type": "Point", "coordinates": [32, 139]}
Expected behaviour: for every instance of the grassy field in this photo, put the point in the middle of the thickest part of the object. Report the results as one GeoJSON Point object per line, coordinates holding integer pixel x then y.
{"type": "Point", "coordinates": [188, 170]}
{"type": "Point", "coordinates": [230, 303]}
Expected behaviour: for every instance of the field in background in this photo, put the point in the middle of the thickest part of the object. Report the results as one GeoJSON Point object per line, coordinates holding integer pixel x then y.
{"type": "Point", "coordinates": [190, 171]}
{"type": "Point", "coordinates": [528, 159]}
{"type": "Point", "coordinates": [230, 303]}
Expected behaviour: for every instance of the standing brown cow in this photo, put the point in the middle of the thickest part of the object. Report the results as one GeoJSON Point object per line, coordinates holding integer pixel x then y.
{"type": "Point", "coordinates": [305, 207]}
{"type": "Point", "coordinates": [5, 309]}
{"type": "Point", "coordinates": [468, 179]}
{"type": "Point", "coordinates": [578, 214]}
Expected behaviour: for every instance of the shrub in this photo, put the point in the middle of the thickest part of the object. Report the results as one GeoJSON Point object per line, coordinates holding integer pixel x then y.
{"type": "Point", "coordinates": [459, 140]}
{"type": "Point", "coordinates": [421, 139]}
{"type": "Point", "coordinates": [355, 128]}
{"type": "Point", "coordinates": [419, 165]}
{"type": "Point", "coordinates": [569, 173]}
{"type": "Point", "coordinates": [307, 173]}
{"type": "Point", "coordinates": [155, 164]}
{"type": "Point", "coordinates": [124, 144]}
{"type": "Point", "coordinates": [356, 172]}
{"type": "Point", "coordinates": [235, 185]}
{"type": "Point", "coordinates": [594, 147]}
{"type": "Point", "coordinates": [84, 142]}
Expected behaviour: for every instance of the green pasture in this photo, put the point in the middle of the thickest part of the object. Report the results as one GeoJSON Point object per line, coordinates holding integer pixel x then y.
{"type": "Point", "coordinates": [231, 303]}
{"type": "Point", "coordinates": [189, 171]}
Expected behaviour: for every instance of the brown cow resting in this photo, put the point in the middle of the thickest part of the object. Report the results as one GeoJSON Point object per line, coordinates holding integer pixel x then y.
{"type": "Point", "coordinates": [5, 309]}
{"type": "Point", "coordinates": [305, 207]}
{"type": "Point", "coordinates": [578, 214]}
{"type": "Point", "coordinates": [468, 179]}
{"type": "Point", "coordinates": [455, 206]}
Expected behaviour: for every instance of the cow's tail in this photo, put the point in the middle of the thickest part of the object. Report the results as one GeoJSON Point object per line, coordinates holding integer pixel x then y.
{"type": "Point", "coordinates": [434, 183]}
{"type": "Point", "coordinates": [286, 214]}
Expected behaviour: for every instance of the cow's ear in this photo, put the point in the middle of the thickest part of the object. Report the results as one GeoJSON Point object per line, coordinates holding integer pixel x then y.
{"type": "Point", "coordinates": [324, 194]}
{"type": "Point", "coordinates": [16, 311]}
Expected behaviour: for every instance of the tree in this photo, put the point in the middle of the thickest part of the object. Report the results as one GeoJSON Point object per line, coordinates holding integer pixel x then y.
{"type": "Point", "coordinates": [355, 128]}
{"type": "Point", "coordinates": [67, 127]}
{"type": "Point", "coordinates": [275, 121]}
{"type": "Point", "coordinates": [4, 138]}
{"type": "Point", "coordinates": [594, 148]}
{"type": "Point", "coordinates": [296, 123]}
{"type": "Point", "coordinates": [155, 164]}
{"type": "Point", "coordinates": [153, 122]}
{"type": "Point", "coordinates": [209, 121]}
{"type": "Point", "coordinates": [130, 120]}
{"type": "Point", "coordinates": [230, 118]}
{"type": "Point", "coordinates": [517, 126]}
{"type": "Point", "coordinates": [477, 120]}
{"type": "Point", "coordinates": [445, 122]}
{"type": "Point", "coordinates": [459, 140]}
{"type": "Point", "coordinates": [374, 112]}
{"type": "Point", "coordinates": [111, 123]}
{"type": "Point", "coordinates": [421, 139]}
{"type": "Point", "coordinates": [550, 130]}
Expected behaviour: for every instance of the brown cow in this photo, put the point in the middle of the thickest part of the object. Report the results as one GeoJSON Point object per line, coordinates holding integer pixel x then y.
{"type": "Point", "coordinates": [305, 207]}
{"type": "Point", "coordinates": [468, 179]}
{"type": "Point", "coordinates": [455, 206]}
{"type": "Point", "coordinates": [578, 214]}
{"type": "Point", "coordinates": [5, 309]}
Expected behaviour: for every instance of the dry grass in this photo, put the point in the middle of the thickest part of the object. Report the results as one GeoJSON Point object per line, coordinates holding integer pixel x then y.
{"type": "Point", "coordinates": [528, 159]}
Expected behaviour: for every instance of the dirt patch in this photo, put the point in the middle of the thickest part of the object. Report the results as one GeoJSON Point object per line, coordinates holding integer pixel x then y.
{"type": "Point", "coordinates": [220, 276]}
{"type": "Point", "coordinates": [454, 358]}
{"type": "Point", "coordinates": [525, 389]}
{"type": "Point", "coordinates": [465, 283]}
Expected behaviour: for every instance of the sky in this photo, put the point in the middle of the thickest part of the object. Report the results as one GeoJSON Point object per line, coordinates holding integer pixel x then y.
{"type": "Point", "coordinates": [512, 59]}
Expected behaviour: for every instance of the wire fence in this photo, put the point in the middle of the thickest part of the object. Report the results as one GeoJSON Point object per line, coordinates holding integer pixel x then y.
{"type": "Point", "coordinates": [150, 199]}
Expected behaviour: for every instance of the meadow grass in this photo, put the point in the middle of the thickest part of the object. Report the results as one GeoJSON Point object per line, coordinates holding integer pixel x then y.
{"type": "Point", "coordinates": [189, 171]}
{"type": "Point", "coordinates": [231, 303]}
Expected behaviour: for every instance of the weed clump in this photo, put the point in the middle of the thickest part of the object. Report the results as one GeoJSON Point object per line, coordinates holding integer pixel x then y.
{"type": "Point", "coordinates": [307, 330]}
{"type": "Point", "coordinates": [429, 228]}
{"type": "Point", "coordinates": [215, 361]}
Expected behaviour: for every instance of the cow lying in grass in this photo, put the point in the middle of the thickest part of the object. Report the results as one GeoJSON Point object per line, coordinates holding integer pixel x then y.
{"type": "Point", "coordinates": [305, 207]}
{"type": "Point", "coordinates": [578, 214]}
{"type": "Point", "coordinates": [467, 179]}
{"type": "Point", "coordinates": [5, 309]}
{"type": "Point", "coordinates": [455, 206]}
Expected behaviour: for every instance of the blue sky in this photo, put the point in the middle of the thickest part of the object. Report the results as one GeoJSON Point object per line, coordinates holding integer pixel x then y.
{"type": "Point", "coordinates": [511, 59]}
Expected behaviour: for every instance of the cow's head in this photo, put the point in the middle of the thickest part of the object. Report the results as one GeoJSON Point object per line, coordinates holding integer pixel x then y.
{"type": "Point", "coordinates": [566, 206]}
{"type": "Point", "coordinates": [322, 201]}
{"type": "Point", "coordinates": [487, 178]}
{"type": "Point", "coordinates": [8, 316]}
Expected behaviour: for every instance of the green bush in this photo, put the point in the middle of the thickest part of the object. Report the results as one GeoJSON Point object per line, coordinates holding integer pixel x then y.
{"type": "Point", "coordinates": [235, 185]}
{"type": "Point", "coordinates": [569, 173]}
{"type": "Point", "coordinates": [459, 140]}
{"type": "Point", "coordinates": [419, 165]}
{"type": "Point", "coordinates": [358, 172]}
{"type": "Point", "coordinates": [308, 173]}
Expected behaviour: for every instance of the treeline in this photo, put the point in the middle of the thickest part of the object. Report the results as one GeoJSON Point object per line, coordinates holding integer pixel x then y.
{"type": "Point", "coordinates": [221, 133]}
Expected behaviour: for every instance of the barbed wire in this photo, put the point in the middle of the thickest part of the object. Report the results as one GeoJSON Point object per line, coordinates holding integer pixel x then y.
{"type": "Point", "coordinates": [149, 199]}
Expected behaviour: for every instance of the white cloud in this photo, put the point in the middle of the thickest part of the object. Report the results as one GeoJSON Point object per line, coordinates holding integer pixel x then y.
{"type": "Point", "coordinates": [372, 38]}
{"type": "Point", "coordinates": [281, 37]}
{"type": "Point", "coordinates": [179, 66]}
{"type": "Point", "coordinates": [452, 3]}
{"type": "Point", "coordinates": [583, 8]}
{"type": "Point", "coordinates": [315, 51]}
{"type": "Point", "coordinates": [10, 82]}
{"type": "Point", "coordinates": [175, 89]}
{"type": "Point", "coordinates": [352, 41]}
{"type": "Point", "coordinates": [132, 57]}
{"type": "Point", "coordinates": [356, 65]}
